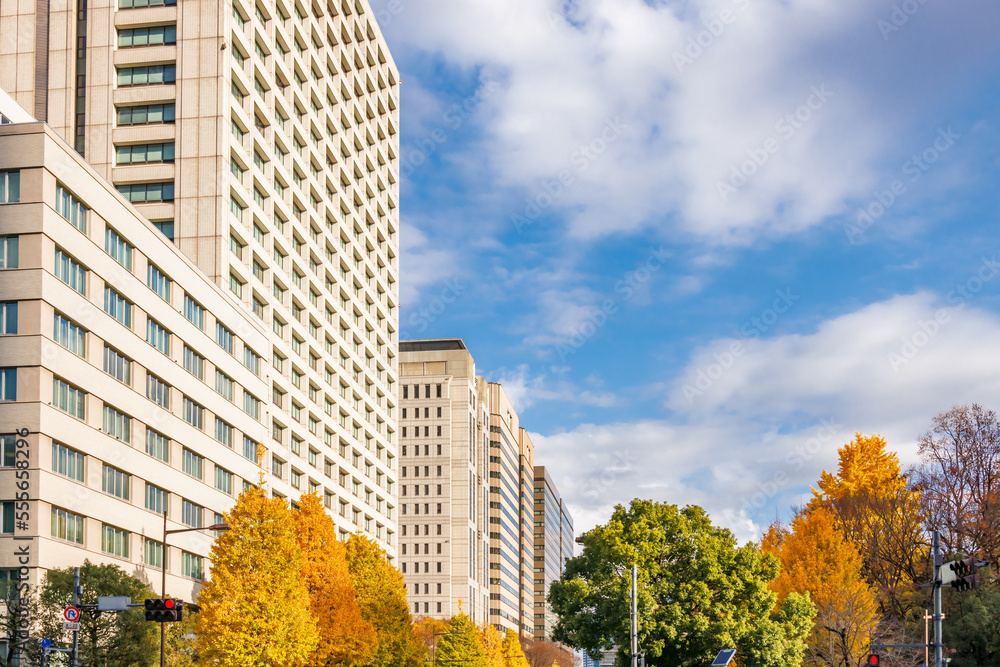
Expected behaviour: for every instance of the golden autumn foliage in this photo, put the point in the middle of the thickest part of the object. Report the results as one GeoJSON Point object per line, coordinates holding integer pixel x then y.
{"type": "Point", "coordinates": [345, 638]}
{"type": "Point", "coordinates": [381, 595]}
{"type": "Point", "coordinates": [492, 642]}
{"type": "Point", "coordinates": [255, 608]}
{"type": "Point", "coordinates": [816, 558]}
{"type": "Point", "coordinates": [513, 656]}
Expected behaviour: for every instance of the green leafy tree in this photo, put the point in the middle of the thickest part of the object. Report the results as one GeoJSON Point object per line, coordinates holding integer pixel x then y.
{"type": "Point", "coordinates": [182, 642]}
{"type": "Point", "coordinates": [698, 592]}
{"type": "Point", "coordinates": [972, 627]}
{"type": "Point", "coordinates": [461, 646]}
{"type": "Point", "coordinates": [108, 639]}
{"type": "Point", "coordinates": [17, 602]}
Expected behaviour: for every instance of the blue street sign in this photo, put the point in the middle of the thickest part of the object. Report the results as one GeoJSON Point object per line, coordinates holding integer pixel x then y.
{"type": "Point", "coordinates": [46, 643]}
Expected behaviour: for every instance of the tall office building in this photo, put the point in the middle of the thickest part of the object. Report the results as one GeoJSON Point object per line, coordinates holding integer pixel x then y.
{"type": "Point", "coordinates": [261, 138]}
{"type": "Point", "coordinates": [554, 542]}
{"type": "Point", "coordinates": [444, 546]}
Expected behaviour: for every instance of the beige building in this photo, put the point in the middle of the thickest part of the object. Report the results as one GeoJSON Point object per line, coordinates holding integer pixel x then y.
{"type": "Point", "coordinates": [261, 138]}
{"type": "Point", "coordinates": [554, 540]}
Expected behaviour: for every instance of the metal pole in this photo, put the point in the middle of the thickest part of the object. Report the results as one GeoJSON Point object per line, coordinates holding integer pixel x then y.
{"type": "Point", "coordinates": [74, 656]}
{"type": "Point", "coordinates": [927, 639]}
{"type": "Point", "coordinates": [634, 624]}
{"type": "Point", "coordinates": [938, 638]}
{"type": "Point", "coordinates": [163, 591]}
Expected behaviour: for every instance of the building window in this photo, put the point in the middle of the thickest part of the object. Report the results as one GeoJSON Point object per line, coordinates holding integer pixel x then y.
{"type": "Point", "coordinates": [146, 114]}
{"type": "Point", "coordinates": [194, 414]}
{"type": "Point", "coordinates": [151, 36]}
{"type": "Point", "coordinates": [157, 391]}
{"type": "Point", "coordinates": [165, 227]}
{"type": "Point", "coordinates": [224, 433]}
{"type": "Point", "coordinates": [116, 424]}
{"type": "Point", "coordinates": [115, 482]}
{"type": "Point", "coordinates": [194, 312]}
{"type": "Point", "coordinates": [10, 187]}
{"type": "Point", "coordinates": [277, 467]}
{"type": "Point", "coordinates": [157, 281]}
{"type": "Point", "coordinates": [67, 462]}
{"type": "Point", "coordinates": [223, 480]}
{"type": "Point", "coordinates": [118, 307]}
{"type": "Point", "coordinates": [194, 363]}
{"type": "Point", "coordinates": [252, 361]}
{"type": "Point", "coordinates": [145, 153]}
{"type": "Point", "coordinates": [250, 449]}
{"type": "Point", "coordinates": [156, 499]}
{"type": "Point", "coordinates": [117, 365]}
{"type": "Point", "coordinates": [114, 541]}
{"type": "Point", "coordinates": [191, 566]}
{"type": "Point", "coordinates": [67, 526]}
{"type": "Point", "coordinates": [8, 317]}
{"type": "Point", "coordinates": [157, 336]}
{"type": "Point", "coordinates": [191, 514]}
{"type": "Point", "coordinates": [8, 252]}
{"type": "Point", "coordinates": [68, 398]}
{"type": "Point", "coordinates": [71, 208]}
{"type": "Point", "coordinates": [152, 553]}
{"type": "Point", "coordinates": [224, 385]}
{"type": "Point", "coordinates": [224, 337]}
{"type": "Point", "coordinates": [148, 193]}
{"type": "Point", "coordinates": [157, 445]}
{"type": "Point", "coordinates": [192, 463]}
{"type": "Point", "coordinates": [119, 249]}
{"type": "Point", "coordinates": [71, 273]}
{"type": "Point", "coordinates": [70, 336]}
{"type": "Point", "coordinates": [251, 405]}
{"type": "Point", "coordinates": [147, 75]}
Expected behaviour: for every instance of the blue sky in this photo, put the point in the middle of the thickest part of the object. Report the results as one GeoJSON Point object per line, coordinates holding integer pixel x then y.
{"type": "Point", "coordinates": [704, 243]}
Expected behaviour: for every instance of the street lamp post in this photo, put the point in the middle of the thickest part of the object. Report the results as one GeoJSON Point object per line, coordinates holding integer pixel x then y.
{"type": "Point", "coordinates": [163, 570]}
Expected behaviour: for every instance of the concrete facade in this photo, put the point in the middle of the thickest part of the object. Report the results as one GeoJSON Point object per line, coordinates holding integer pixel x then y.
{"type": "Point", "coordinates": [554, 540]}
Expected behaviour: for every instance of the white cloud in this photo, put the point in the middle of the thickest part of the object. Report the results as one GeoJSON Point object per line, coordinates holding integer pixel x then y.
{"type": "Point", "coordinates": [524, 390]}
{"type": "Point", "coordinates": [750, 445]}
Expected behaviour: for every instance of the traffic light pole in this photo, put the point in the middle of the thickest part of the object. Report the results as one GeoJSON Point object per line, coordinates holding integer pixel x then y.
{"type": "Point", "coordinates": [74, 656]}
{"type": "Point", "coordinates": [634, 618]}
{"type": "Point", "coordinates": [163, 591]}
{"type": "Point", "coordinates": [938, 639]}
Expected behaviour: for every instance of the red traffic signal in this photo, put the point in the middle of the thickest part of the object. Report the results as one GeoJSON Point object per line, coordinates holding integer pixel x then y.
{"type": "Point", "coordinates": [164, 610]}
{"type": "Point", "coordinates": [873, 660]}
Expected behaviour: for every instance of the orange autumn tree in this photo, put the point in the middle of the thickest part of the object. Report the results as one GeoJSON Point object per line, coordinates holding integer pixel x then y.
{"type": "Point", "coordinates": [345, 638]}
{"type": "Point", "coordinates": [255, 606]}
{"type": "Point", "coordinates": [513, 655]}
{"type": "Point", "coordinates": [492, 642]}
{"type": "Point", "coordinates": [878, 511]}
{"type": "Point", "coordinates": [815, 558]}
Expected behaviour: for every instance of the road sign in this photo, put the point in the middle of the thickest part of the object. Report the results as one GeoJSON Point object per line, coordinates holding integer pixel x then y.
{"type": "Point", "coordinates": [112, 603]}
{"type": "Point", "coordinates": [46, 643]}
{"type": "Point", "coordinates": [71, 626]}
{"type": "Point", "coordinates": [71, 614]}
{"type": "Point", "coordinates": [724, 658]}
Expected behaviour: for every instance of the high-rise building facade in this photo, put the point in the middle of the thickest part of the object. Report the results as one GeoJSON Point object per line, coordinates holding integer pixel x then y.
{"type": "Point", "coordinates": [261, 138]}
{"type": "Point", "coordinates": [444, 548]}
{"type": "Point", "coordinates": [554, 540]}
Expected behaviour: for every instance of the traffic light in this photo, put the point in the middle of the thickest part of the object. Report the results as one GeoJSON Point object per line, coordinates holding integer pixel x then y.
{"type": "Point", "coordinates": [873, 660]}
{"type": "Point", "coordinates": [965, 574]}
{"type": "Point", "coordinates": [164, 611]}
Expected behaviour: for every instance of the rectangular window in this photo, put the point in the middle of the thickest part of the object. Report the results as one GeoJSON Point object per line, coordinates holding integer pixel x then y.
{"type": "Point", "coordinates": [67, 526]}
{"type": "Point", "coordinates": [191, 514]}
{"type": "Point", "coordinates": [147, 75]}
{"type": "Point", "coordinates": [67, 462]}
{"type": "Point", "coordinates": [156, 499]}
{"type": "Point", "coordinates": [250, 450]}
{"type": "Point", "coordinates": [191, 566]}
{"type": "Point", "coordinates": [145, 153]}
{"type": "Point", "coordinates": [10, 187]}
{"type": "Point", "coordinates": [71, 273]}
{"type": "Point", "coordinates": [119, 249]}
{"type": "Point", "coordinates": [157, 281]}
{"type": "Point", "coordinates": [8, 252]}
{"type": "Point", "coordinates": [194, 414]}
{"type": "Point", "coordinates": [71, 208]}
{"type": "Point", "coordinates": [115, 482]}
{"type": "Point", "coordinates": [157, 391]}
{"type": "Point", "coordinates": [251, 405]}
{"type": "Point", "coordinates": [224, 384]}
{"type": "Point", "coordinates": [70, 336]}
{"type": "Point", "coordinates": [223, 480]}
{"type": "Point", "coordinates": [151, 36]}
{"type": "Point", "coordinates": [8, 450]}
{"type": "Point", "coordinates": [165, 227]}
{"type": "Point", "coordinates": [194, 312]}
{"type": "Point", "coordinates": [224, 337]}
{"type": "Point", "coordinates": [157, 445]}
{"type": "Point", "coordinates": [117, 365]}
{"type": "Point", "coordinates": [157, 336]}
{"type": "Point", "coordinates": [146, 114]}
{"type": "Point", "coordinates": [114, 541]}
{"type": "Point", "coordinates": [118, 307]}
{"type": "Point", "coordinates": [152, 553]}
{"type": "Point", "coordinates": [194, 363]}
{"type": "Point", "coordinates": [116, 424]}
{"type": "Point", "coordinates": [68, 398]}
{"type": "Point", "coordinates": [224, 432]}
{"type": "Point", "coordinates": [8, 317]}
{"type": "Point", "coordinates": [252, 361]}
{"type": "Point", "coordinates": [192, 464]}
{"type": "Point", "coordinates": [148, 193]}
